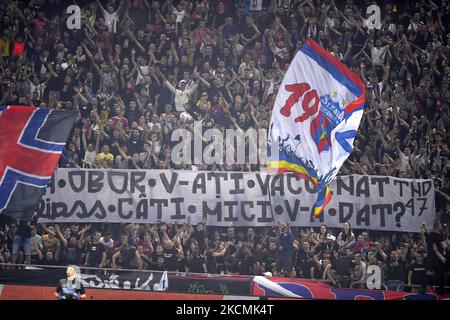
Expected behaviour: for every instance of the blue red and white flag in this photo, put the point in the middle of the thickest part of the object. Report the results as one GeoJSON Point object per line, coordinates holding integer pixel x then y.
{"type": "Point", "coordinates": [315, 118]}
{"type": "Point", "coordinates": [31, 143]}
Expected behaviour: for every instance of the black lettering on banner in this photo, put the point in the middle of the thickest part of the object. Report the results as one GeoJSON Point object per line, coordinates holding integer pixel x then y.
{"type": "Point", "coordinates": [230, 205]}
{"type": "Point", "coordinates": [58, 209]}
{"type": "Point", "coordinates": [159, 206]}
{"type": "Point", "coordinates": [81, 212]}
{"type": "Point", "coordinates": [136, 178]}
{"type": "Point", "coordinates": [264, 186]}
{"type": "Point", "coordinates": [291, 177]}
{"type": "Point", "coordinates": [98, 205]}
{"type": "Point", "coordinates": [177, 215]}
{"type": "Point", "coordinates": [277, 184]}
{"type": "Point", "coordinates": [217, 211]}
{"type": "Point", "coordinates": [292, 213]}
{"type": "Point", "coordinates": [199, 183]}
{"type": "Point", "coordinates": [401, 183]}
{"type": "Point", "coordinates": [173, 180]}
{"type": "Point", "coordinates": [423, 206]}
{"type": "Point", "coordinates": [51, 185]}
{"type": "Point", "coordinates": [383, 209]}
{"type": "Point", "coordinates": [116, 175]}
{"type": "Point", "coordinates": [95, 178]}
{"type": "Point", "coordinates": [340, 185]}
{"type": "Point", "coordinates": [343, 215]}
{"type": "Point", "coordinates": [244, 212]}
{"type": "Point", "coordinates": [309, 187]}
{"type": "Point", "coordinates": [142, 209]}
{"type": "Point", "coordinates": [363, 216]}
{"type": "Point", "coordinates": [400, 207]}
{"type": "Point", "coordinates": [410, 206]}
{"type": "Point", "coordinates": [237, 177]}
{"type": "Point", "coordinates": [264, 217]}
{"type": "Point", "coordinates": [416, 192]}
{"type": "Point", "coordinates": [81, 174]}
{"type": "Point", "coordinates": [381, 181]}
{"type": "Point", "coordinates": [120, 211]}
{"type": "Point", "coordinates": [217, 176]}
{"type": "Point", "coordinates": [362, 187]}
{"type": "Point", "coordinates": [426, 187]}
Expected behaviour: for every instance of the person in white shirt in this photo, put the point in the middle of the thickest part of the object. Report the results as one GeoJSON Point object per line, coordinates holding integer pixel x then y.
{"type": "Point", "coordinates": [405, 158]}
{"type": "Point", "coordinates": [90, 152]}
{"type": "Point", "coordinates": [378, 53]}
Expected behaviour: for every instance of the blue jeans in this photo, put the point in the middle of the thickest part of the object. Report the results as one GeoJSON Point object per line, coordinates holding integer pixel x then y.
{"type": "Point", "coordinates": [18, 243]}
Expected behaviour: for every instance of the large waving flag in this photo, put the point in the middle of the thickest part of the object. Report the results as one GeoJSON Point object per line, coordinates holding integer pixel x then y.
{"type": "Point", "coordinates": [31, 143]}
{"type": "Point", "coordinates": [315, 118]}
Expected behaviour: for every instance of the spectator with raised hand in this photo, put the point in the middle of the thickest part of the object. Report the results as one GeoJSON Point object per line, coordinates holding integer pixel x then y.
{"type": "Point", "coordinates": [339, 270]}
{"type": "Point", "coordinates": [105, 159]}
{"type": "Point", "coordinates": [285, 252]}
{"type": "Point", "coordinates": [51, 243]}
{"type": "Point", "coordinates": [195, 261]}
{"type": "Point", "coordinates": [111, 17]}
{"type": "Point", "coordinates": [96, 253]}
{"type": "Point", "coordinates": [436, 245]}
{"type": "Point", "coordinates": [395, 269]}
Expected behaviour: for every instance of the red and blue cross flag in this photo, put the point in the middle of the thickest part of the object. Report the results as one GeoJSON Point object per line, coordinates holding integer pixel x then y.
{"type": "Point", "coordinates": [31, 143]}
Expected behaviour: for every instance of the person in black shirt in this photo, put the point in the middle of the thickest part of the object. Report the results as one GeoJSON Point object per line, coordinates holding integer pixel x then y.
{"type": "Point", "coordinates": [301, 256]}
{"type": "Point", "coordinates": [285, 250]}
{"type": "Point", "coordinates": [435, 260]}
{"type": "Point", "coordinates": [195, 262]}
{"type": "Point", "coordinates": [73, 255]}
{"type": "Point", "coordinates": [308, 266]}
{"type": "Point", "coordinates": [158, 253]}
{"type": "Point", "coordinates": [70, 288]}
{"type": "Point", "coordinates": [341, 269]}
{"type": "Point", "coordinates": [170, 256]}
{"type": "Point", "coordinates": [96, 253]}
{"type": "Point", "coordinates": [395, 270]}
{"type": "Point", "coordinates": [125, 257]}
{"type": "Point", "coordinates": [201, 237]}
{"type": "Point", "coordinates": [417, 273]}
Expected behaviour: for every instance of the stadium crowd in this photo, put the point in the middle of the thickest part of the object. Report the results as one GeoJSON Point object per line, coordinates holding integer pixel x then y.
{"type": "Point", "coordinates": [137, 70]}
